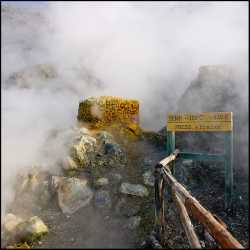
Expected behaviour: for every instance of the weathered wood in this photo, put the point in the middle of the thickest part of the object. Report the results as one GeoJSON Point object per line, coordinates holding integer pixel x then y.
{"type": "Point", "coordinates": [216, 229]}
{"type": "Point", "coordinates": [213, 226]}
{"type": "Point", "coordinates": [170, 158]}
{"type": "Point", "coordinates": [159, 203]}
{"type": "Point", "coordinates": [186, 222]}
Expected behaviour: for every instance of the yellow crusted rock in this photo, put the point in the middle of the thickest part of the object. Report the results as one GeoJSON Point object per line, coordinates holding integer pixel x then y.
{"type": "Point", "coordinates": [106, 110]}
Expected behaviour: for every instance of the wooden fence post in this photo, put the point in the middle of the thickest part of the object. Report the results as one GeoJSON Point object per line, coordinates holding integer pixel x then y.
{"type": "Point", "coordinates": [159, 203]}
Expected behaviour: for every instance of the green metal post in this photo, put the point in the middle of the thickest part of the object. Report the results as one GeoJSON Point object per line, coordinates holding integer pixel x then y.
{"type": "Point", "coordinates": [228, 169]}
{"type": "Point", "coordinates": [171, 146]}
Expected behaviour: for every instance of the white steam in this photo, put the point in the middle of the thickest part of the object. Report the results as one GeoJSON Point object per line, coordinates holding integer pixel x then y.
{"type": "Point", "coordinates": [149, 51]}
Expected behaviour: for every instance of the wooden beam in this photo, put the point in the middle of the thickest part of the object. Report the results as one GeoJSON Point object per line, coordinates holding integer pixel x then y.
{"type": "Point", "coordinates": [170, 158]}
{"type": "Point", "coordinates": [222, 236]}
{"type": "Point", "coordinates": [186, 222]}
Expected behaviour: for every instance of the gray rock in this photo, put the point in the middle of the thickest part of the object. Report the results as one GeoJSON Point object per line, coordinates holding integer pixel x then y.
{"type": "Point", "coordinates": [133, 189]}
{"type": "Point", "coordinates": [83, 151]}
{"type": "Point", "coordinates": [102, 199]}
{"type": "Point", "coordinates": [104, 137]}
{"type": "Point", "coordinates": [148, 178]}
{"type": "Point", "coordinates": [108, 146]}
{"type": "Point", "coordinates": [73, 193]}
{"type": "Point", "coordinates": [109, 154]}
{"type": "Point", "coordinates": [31, 229]}
{"type": "Point", "coordinates": [10, 222]}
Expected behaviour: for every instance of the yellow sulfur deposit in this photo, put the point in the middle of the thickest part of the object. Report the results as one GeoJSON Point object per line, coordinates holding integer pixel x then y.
{"type": "Point", "coordinates": [19, 245]}
{"type": "Point", "coordinates": [105, 111]}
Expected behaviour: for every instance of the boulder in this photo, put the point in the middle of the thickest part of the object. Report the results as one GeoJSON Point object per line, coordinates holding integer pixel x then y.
{"type": "Point", "coordinates": [108, 146]}
{"type": "Point", "coordinates": [134, 189]}
{"type": "Point", "coordinates": [83, 151]}
{"type": "Point", "coordinates": [148, 178]}
{"type": "Point", "coordinates": [109, 154]}
{"type": "Point", "coordinates": [31, 229]}
{"type": "Point", "coordinates": [218, 88]}
{"type": "Point", "coordinates": [73, 193]}
{"type": "Point", "coordinates": [10, 222]}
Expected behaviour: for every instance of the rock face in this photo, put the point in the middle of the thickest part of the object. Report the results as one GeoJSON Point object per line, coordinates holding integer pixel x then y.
{"type": "Point", "coordinates": [39, 73]}
{"type": "Point", "coordinates": [134, 189]}
{"type": "Point", "coordinates": [73, 193]}
{"type": "Point", "coordinates": [218, 88]}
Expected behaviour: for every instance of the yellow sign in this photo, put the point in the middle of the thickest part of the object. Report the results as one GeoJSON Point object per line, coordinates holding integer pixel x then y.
{"type": "Point", "coordinates": [210, 121]}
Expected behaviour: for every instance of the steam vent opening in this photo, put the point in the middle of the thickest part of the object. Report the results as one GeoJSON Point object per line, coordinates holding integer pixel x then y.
{"type": "Point", "coordinates": [125, 125]}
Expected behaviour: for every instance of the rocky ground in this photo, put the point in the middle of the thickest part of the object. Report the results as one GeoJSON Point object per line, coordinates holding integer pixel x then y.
{"type": "Point", "coordinates": [113, 206]}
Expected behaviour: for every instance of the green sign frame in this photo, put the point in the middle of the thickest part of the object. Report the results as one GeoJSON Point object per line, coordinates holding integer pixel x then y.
{"type": "Point", "coordinates": [226, 157]}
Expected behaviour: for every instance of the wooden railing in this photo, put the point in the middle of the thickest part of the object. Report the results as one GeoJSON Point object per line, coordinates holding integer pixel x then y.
{"type": "Point", "coordinates": [187, 205]}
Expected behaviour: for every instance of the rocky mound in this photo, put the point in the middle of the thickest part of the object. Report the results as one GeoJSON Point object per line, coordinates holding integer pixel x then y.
{"type": "Point", "coordinates": [216, 89]}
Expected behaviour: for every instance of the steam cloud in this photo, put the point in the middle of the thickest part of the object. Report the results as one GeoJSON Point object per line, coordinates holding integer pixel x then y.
{"type": "Point", "coordinates": [149, 51]}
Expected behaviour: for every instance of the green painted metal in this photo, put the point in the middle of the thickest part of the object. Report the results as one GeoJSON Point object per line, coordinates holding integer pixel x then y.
{"type": "Point", "coordinates": [201, 156]}
{"type": "Point", "coordinates": [171, 147]}
{"type": "Point", "coordinates": [170, 150]}
{"type": "Point", "coordinates": [228, 169]}
{"type": "Point", "coordinates": [227, 157]}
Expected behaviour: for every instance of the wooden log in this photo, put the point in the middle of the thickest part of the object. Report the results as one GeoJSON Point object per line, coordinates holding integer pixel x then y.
{"type": "Point", "coordinates": [219, 232]}
{"type": "Point", "coordinates": [186, 222]}
{"type": "Point", "coordinates": [159, 204]}
{"type": "Point", "coordinates": [213, 226]}
{"type": "Point", "coordinates": [170, 158]}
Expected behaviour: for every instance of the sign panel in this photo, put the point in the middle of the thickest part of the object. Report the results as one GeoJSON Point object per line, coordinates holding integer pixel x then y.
{"type": "Point", "coordinates": [204, 122]}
